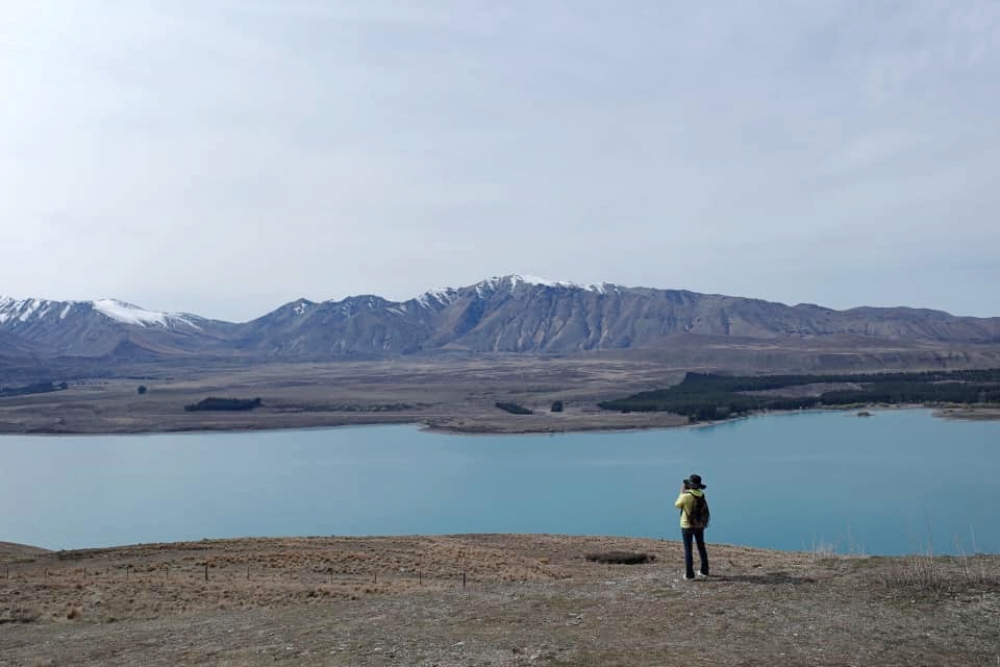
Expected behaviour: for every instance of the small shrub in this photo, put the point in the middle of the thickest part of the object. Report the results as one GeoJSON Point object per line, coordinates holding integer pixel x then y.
{"type": "Point", "coordinates": [141, 390]}
{"type": "Point", "coordinates": [557, 406]}
{"type": "Point", "coordinates": [514, 408]}
{"type": "Point", "coordinates": [224, 404]}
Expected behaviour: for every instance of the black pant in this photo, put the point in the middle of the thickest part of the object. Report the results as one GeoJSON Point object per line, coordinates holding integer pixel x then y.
{"type": "Point", "coordinates": [699, 536]}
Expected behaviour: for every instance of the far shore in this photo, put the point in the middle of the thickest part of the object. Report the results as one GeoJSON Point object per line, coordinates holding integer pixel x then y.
{"type": "Point", "coordinates": [489, 423]}
{"type": "Point", "coordinates": [441, 395]}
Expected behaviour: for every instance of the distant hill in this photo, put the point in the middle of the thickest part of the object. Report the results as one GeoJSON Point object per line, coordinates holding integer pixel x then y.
{"type": "Point", "coordinates": [510, 314]}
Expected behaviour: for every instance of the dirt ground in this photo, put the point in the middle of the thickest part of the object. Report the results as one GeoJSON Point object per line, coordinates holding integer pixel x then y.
{"type": "Point", "coordinates": [489, 600]}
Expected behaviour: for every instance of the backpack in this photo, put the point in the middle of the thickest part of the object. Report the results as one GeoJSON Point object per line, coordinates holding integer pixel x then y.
{"type": "Point", "coordinates": [699, 515]}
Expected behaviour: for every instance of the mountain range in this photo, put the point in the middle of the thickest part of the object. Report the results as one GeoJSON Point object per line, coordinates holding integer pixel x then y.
{"type": "Point", "coordinates": [512, 314]}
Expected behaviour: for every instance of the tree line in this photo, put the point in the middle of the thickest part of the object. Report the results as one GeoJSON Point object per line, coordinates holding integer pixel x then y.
{"type": "Point", "coordinates": [37, 388]}
{"type": "Point", "coordinates": [709, 397]}
{"type": "Point", "coordinates": [224, 404]}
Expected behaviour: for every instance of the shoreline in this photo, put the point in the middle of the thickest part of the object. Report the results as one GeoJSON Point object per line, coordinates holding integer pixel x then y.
{"type": "Point", "coordinates": [491, 425]}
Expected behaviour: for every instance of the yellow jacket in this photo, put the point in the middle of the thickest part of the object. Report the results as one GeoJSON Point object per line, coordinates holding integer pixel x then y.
{"type": "Point", "coordinates": [685, 502]}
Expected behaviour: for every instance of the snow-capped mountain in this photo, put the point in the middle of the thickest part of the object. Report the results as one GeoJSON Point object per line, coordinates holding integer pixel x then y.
{"type": "Point", "coordinates": [26, 312]}
{"type": "Point", "coordinates": [96, 328]}
{"type": "Point", "coordinates": [517, 313]}
{"type": "Point", "coordinates": [510, 313]}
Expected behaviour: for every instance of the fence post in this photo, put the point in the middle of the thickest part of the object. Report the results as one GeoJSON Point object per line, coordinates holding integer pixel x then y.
{"type": "Point", "coordinates": [421, 577]}
{"type": "Point", "coordinates": [248, 573]}
{"type": "Point", "coordinates": [206, 571]}
{"type": "Point", "coordinates": [463, 580]}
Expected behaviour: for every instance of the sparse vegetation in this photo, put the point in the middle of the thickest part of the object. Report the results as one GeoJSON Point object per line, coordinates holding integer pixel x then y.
{"type": "Point", "coordinates": [926, 575]}
{"type": "Point", "coordinates": [557, 406]}
{"type": "Point", "coordinates": [141, 390]}
{"type": "Point", "coordinates": [18, 614]}
{"type": "Point", "coordinates": [375, 407]}
{"type": "Point", "coordinates": [493, 600]}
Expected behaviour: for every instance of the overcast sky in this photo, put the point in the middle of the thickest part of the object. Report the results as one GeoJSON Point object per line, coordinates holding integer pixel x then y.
{"type": "Point", "coordinates": [223, 157]}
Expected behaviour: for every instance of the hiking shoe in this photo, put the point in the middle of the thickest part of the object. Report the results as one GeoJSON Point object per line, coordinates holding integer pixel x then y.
{"type": "Point", "coordinates": [686, 577]}
{"type": "Point", "coordinates": [702, 575]}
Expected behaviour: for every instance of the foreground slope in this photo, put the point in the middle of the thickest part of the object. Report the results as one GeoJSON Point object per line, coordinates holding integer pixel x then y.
{"type": "Point", "coordinates": [527, 600]}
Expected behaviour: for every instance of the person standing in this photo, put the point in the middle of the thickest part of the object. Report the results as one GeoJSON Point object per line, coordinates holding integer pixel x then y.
{"type": "Point", "coordinates": [694, 519]}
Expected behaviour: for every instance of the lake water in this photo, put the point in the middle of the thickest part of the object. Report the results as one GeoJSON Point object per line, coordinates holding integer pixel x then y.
{"type": "Point", "coordinates": [898, 482]}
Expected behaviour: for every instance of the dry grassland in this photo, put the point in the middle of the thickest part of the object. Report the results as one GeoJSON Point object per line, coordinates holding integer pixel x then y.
{"type": "Point", "coordinates": [453, 394]}
{"type": "Point", "coordinates": [447, 392]}
{"type": "Point", "coordinates": [526, 600]}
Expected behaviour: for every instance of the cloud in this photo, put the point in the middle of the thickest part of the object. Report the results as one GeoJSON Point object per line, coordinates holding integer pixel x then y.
{"type": "Point", "coordinates": [227, 156]}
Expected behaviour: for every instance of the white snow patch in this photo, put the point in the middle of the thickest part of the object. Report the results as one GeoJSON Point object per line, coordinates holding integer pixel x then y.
{"type": "Point", "coordinates": [301, 308]}
{"type": "Point", "coordinates": [511, 282]}
{"type": "Point", "coordinates": [30, 306]}
{"type": "Point", "coordinates": [515, 279]}
{"type": "Point", "coordinates": [129, 314]}
{"type": "Point", "coordinates": [604, 288]}
{"type": "Point", "coordinates": [24, 309]}
{"type": "Point", "coordinates": [445, 295]}
{"type": "Point", "coordinates": [537, 280]}
{"type": "Point", "coordinates": [35, 309]}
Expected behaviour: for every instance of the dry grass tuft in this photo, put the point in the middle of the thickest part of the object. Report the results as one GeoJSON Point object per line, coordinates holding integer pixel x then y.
{"type": "Point", "coordinates": [19, 614]}
{"type": "Point", "coordinates": [937, 576]}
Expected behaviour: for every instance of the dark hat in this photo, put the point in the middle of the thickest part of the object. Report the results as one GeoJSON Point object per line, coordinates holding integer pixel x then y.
{"type": "Point", "coordinates": [694, 482]}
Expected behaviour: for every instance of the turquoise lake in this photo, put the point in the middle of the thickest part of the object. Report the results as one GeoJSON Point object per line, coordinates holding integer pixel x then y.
{"type": "Point", "coordinates": [898, 482]}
